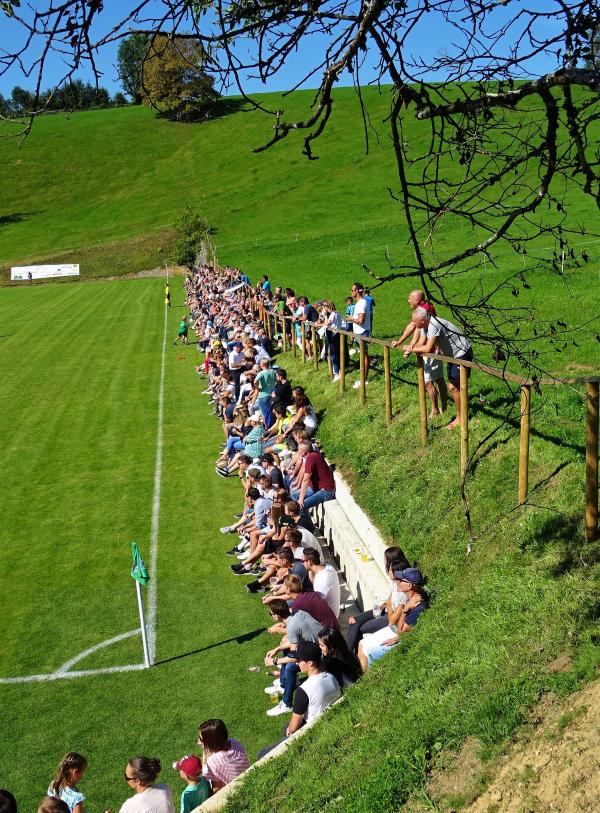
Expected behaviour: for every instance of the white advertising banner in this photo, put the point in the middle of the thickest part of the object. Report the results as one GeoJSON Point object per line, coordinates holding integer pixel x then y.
{"type": "Point", "coordinates": [21, 272]}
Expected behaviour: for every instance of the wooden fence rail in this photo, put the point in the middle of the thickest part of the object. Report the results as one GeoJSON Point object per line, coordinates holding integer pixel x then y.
{"type": "Point", "coordinates": [275, 322]}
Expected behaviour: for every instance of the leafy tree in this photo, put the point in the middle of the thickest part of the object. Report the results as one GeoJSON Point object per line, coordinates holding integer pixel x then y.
{"type": "Point", "coordinates": [22, 100]}
{"type": "Point", "coordinates": [174, 81]}
{"type": "Point", "coordinates": [119, 100]}
{"type": "Point", "coordinates": [192, 231]}
{"type": "Point", "coordinates": [131, 55]}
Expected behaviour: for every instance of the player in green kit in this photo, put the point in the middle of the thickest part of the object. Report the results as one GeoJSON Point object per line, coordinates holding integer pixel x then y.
{"type": "Point", "coordinates": [183, 331]}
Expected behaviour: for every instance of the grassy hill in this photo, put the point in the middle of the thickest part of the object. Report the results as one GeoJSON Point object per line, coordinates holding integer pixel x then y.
{"type": "Point", "coordinates": [104, 187]}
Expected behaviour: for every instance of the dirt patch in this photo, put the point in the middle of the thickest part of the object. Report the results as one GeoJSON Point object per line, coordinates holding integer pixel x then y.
{"type": "Point", "coordinates": [557, 768]}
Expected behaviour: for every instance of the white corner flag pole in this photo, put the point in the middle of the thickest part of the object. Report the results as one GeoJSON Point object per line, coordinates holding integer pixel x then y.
{"type": "Point", "coordinates": [138, 590]}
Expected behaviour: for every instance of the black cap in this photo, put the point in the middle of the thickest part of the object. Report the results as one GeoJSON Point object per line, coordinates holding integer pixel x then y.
{"type": "Point", "coordinates": [308, 651]}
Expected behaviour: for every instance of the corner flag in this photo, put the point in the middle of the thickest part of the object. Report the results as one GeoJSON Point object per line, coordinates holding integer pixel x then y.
{"type": "Point", "coordinates": [138, 570]}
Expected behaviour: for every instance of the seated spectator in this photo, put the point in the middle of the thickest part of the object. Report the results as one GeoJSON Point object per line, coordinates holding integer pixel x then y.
{"type": "Point", "coordinates": [337, 658]}
{"type": "Point", "coordinates": [8, 803]}
{"type": "Point", "coordinates": [312, 602]}
{"type": "Point", "coordinates": [197, 789]}
{"type": "Point", "coordinates": [368, 622]}
{"type": "Point", "coordinates": [373, 647]}
{"type": "Point", "coordinates": [317, 692]}
{"type": "Point", "coordinates": [324, 579]}
{"type": "Point", "coordinates": [140, 775]}
{"type": "Point", "coordinates": [223, 757]}
{"type": "Point", "coordinates": [317, 484]}
{"type": "Point", "coordinates": [64, 785]}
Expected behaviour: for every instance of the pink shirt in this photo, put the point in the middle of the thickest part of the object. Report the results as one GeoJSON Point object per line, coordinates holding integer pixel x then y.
{"type": "Point", "coordinates": [226, 765]}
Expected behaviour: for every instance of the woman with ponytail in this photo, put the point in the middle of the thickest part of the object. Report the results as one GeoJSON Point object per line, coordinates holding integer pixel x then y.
{"type": "Point", "coordinates": [140, 775]}
{"type": "Point", "coordinates": [64, 785]}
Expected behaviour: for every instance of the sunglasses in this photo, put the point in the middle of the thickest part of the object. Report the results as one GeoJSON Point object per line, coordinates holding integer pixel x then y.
{"type": "Point", "coordinates": [129, 778]}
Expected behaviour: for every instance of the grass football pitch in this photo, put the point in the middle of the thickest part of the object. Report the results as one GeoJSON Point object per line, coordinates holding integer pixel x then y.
{"type": "Point", "coordinates": [81, 366]}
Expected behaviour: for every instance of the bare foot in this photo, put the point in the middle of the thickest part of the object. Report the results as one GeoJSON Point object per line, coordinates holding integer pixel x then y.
{"type": "Point", "coordinates": [453, 423]}
{"type": "Point", "coordinates": [433, 413]}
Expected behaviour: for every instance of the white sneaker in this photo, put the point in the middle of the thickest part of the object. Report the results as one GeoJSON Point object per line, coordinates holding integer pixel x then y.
{"type": "Point", "coordinates": [226, 529]}
{"type": "Point", "coordinates": [356, 385]}
{"type": "Point", "coordinates": [352, 351]}
{"type": "Point", "coordinates": [336, 377]}
{"type": "Point", "coordinates": [273, 690]}
{"type": "Point", "coordinates": [280, 708]}
{"type": "Point", "coordinates": [243, 556]}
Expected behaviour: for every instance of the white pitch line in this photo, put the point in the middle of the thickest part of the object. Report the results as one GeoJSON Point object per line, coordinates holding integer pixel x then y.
{"type": "Point", "coordinates": [109, 642]}
{"type": "Point", "coordinates": [152, 587]}
{"type": "Point", "coordinates": [130, 667]}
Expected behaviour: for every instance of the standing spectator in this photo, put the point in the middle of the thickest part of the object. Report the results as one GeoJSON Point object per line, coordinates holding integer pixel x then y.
{"type": "Point", "coordinates": [197, 789]}
{"type": "Point", "coordinates": [432, 369]}
{"type": "Point", "coordinates": [237, 365]}
{"type": "Point", "coordinates": [64, 785]}
{"type": "Point", "coordinates": [264, 385]}
{"type": "Point", "coordinates": [370, 305]}
{"type": "Point", "coordinates": [361, 325]}
{"type": "Point", "coordinates": [224, 758]}
{"type": "Point", "coordinates": [445, 336]}
{"type": "Point", "coordinates": [282, 392]}
{"type": "Point", "coordinates": [140, 775]}
{"type": "Point", "coordinates": [266, 284]}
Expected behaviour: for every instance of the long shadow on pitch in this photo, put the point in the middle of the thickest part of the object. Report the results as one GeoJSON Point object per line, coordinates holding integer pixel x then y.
{"type": "Point", "coordinates": [240, 639]}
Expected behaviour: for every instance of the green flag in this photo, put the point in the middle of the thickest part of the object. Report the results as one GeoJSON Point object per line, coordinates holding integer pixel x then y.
{"type": "Point", "coordinates": [138, 570]}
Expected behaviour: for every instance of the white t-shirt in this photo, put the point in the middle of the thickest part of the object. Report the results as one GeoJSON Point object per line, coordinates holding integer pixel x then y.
{"type": "Point", "coordinates": [157, 799]}
{"type": "Point", "coordinates": [448, 337]}
{"type": "Point", "coordinates": [308, 540]}
{"type": "Point", "coordinates": [328, 585]}
{"type": "Point", "coordinates": [322, 690]}
{"type": "Point", "coordinates": [236, 359]}
{"type": "Point", "coordinates": [361, 307]}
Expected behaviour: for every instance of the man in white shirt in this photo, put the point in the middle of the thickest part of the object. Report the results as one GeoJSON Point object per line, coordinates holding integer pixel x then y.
{"type": "Point", "coordinates": [361, 324]}
{"type": "Point", "coordinates": [324, 579]}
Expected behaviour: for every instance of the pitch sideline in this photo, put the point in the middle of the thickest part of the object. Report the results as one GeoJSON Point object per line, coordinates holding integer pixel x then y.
{"type": "Point", "coordinates": [63, 672]}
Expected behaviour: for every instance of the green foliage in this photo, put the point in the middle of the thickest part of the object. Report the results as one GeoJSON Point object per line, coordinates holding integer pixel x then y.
{"type": "Point", "coordinates": [191, 231]}
{"type": "Point", "coordinates": [131, 54]}
{"type": "Point", "coordinates": [174, 81]}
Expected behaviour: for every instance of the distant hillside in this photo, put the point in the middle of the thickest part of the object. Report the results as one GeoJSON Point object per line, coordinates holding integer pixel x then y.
{"type": "Point", "coordinates": [103, 188]}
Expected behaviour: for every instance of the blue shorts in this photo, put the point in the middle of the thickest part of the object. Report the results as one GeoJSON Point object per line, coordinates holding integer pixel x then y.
{"type": "Point", "coordinates": [454, 369]}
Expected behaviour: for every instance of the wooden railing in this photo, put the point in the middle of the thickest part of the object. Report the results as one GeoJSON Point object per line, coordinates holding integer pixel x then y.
{"type": "Point", "coordinates": [271, 321]}
{"type": "Point", "coordinates": [275, 323]}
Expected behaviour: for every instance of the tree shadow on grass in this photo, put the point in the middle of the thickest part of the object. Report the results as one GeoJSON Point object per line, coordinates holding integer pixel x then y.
{"type": "Point", "coordinates": [15, 217]}
{"type": "Point", "coordinates": [563, 535]}
{"type": "Point", "coordinates": [240, 639]}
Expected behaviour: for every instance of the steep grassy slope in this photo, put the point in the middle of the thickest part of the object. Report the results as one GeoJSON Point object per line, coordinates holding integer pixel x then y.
{"type": "Point", "coordinates": [103, 188]}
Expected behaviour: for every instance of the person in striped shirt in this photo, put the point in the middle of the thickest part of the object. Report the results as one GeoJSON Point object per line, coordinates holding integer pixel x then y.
{"type": "Point", "coordinates": [223, 757]}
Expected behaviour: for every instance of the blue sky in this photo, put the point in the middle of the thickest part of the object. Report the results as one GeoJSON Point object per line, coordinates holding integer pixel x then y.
{"type": "Point", "coordinates": [437, 36]}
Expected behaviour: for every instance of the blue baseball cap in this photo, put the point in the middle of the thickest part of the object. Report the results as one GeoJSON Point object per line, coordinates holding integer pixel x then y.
{"type": "Point", "coordinates": [410, 574]}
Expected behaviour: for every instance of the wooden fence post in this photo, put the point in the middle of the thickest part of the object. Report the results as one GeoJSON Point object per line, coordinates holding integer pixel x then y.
{"type": "Point", "coordinates": [283, 334]}
{"type": "Point", "coordinates": [524, 443]}
{"type": "Point", "coordinates": [363, 372]}
{"type": "Point", "coordinates": [464, 419]}
{"type": "Point", "coordinates": [343, 338]}
{"type": "Point", "coordinates": [591, 463]}
{"type": "Point", "coordinates": [315, 354]}
{"type": "Point", "coordinates": [303, 339]}
{"type": "Point", "coordinates": [294, 341]}
{"type": "Point", "coordinates": [388, 384]}
{"type": "Point", "coordinates": [329, 361]}
{"type": "Point", "coordinates": [422, 398]}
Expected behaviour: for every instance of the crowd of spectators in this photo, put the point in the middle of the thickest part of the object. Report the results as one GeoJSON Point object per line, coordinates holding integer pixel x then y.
{"type": "Point", "coordinates": [269, 445]}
